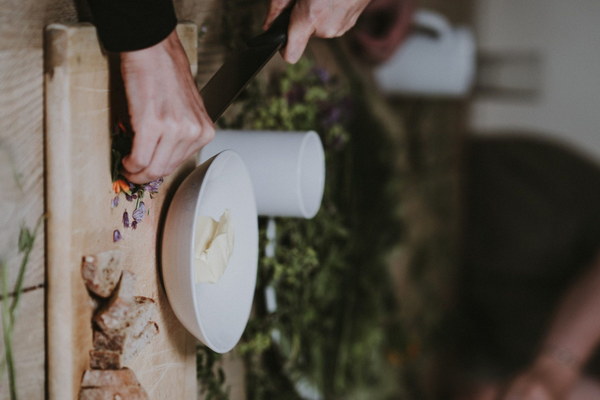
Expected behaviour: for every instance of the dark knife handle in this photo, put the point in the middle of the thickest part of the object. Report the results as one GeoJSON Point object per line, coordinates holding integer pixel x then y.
{"type": "Point", "coordinates": [277, 32]}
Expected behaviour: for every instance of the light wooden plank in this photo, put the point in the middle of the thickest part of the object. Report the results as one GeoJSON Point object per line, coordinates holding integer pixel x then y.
{"type": "Point", "coordinates": [22, 21]}
{"type": "Point", "coordinates": [21, 159]}
{"type": "Point", "coordinates": [81, 222]}
{"type": "Point", "coordinates": [28, 348]}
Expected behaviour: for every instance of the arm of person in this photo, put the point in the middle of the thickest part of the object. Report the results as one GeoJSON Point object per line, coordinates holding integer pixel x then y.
{"type": "Point", "coordinates": [321, 18]}
{"type": "Point", "coordinates": [573, 336]}
{"type": "Point", "coordinates": [382, 28]}
{"type": "Point", "coordinates": [167, 115]}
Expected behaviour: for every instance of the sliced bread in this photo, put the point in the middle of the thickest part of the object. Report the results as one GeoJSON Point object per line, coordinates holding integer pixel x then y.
{"type": "Point", "coordinates": [101, 272]}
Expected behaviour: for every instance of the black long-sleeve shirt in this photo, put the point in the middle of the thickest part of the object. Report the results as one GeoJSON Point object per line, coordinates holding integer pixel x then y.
{"type": "Point", "coordinates": [127, 25]}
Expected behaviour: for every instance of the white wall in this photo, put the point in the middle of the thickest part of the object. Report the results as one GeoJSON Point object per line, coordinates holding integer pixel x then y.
{"type": "Point", "coordinates": [566, 33]}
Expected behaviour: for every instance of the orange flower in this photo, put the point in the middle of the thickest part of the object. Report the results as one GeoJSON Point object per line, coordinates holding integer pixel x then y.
{"type": "Point", "coordinates": [121, 186]}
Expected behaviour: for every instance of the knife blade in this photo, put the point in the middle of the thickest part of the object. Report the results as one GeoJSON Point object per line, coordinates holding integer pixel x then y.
{"type": "Point", "coordinates": [242, 65]}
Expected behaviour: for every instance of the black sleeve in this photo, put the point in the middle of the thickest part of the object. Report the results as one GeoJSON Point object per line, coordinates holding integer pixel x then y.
{"type": "Point", "coordinates": [127, 25]}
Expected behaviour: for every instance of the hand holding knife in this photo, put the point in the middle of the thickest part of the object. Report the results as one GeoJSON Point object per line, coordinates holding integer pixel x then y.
{"type": "Point", "coordinates": [242, 65]}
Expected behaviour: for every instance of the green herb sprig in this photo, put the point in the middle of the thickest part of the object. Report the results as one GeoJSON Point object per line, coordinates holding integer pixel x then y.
{"type": "Point", "coordinates": [9, 310]}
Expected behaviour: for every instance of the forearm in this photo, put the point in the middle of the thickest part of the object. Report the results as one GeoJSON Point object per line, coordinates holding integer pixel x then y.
{"type": "Point", "coordinates": [573, 335]}
{"type": "Point", "coordinates": [575, 330]}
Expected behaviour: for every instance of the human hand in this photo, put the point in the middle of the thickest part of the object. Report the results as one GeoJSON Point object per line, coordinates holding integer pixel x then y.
{"type": "Point", "coordinates": [382, 27]}
{"type": "Point", "coordinates": [167, 114]}
{"type": "Point", "coordinates": [547, 379]}
{"type": "Point", "coordinates": [321, 18]}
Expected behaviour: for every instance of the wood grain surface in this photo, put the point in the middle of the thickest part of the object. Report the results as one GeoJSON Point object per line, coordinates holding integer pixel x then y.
{"type": "Point", "coordinates": [28, 333]}
{"type": "Point", "coordinates": [81, 220]}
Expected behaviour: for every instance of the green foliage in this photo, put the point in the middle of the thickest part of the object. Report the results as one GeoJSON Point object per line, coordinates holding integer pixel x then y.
{"type": "Point", "coordinates": [334, 322]}
{"type": "Point", "coordinates": [9, 311]}
{"type": "Point", "coordinates": [210, 375]}
{"type": "Point", "coordinates": [335, 327]}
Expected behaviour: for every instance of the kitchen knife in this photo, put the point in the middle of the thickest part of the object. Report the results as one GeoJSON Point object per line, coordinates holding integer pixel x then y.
{"type": "Point", "coordinates": [242, 65]}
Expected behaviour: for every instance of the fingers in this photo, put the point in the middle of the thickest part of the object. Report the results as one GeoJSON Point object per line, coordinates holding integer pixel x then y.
{"type": "Point", "coordinates": [168, 116]}
{"type": "Point", "coordinates": [300, 30]}
{"type": "Point", "coordinates": [275, 8]}
{"type": "Point", "coordinates": [170, 151]}
{"type": "Point", "coordinates": [141, 153]}
{"type": "Point", "coordinates": [321, 18]}
{"type": "Point", "coordinates": [159, 165]}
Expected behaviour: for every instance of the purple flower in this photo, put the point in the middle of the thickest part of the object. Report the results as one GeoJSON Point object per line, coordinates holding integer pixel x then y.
{"type": "Point", "coordinates": [134, 224]}
{"type": "Point", "coordinates": [322, 74]}
{"type": "Point", "coordinates": [153, 186]}
{"type": "Point", "coordinates": [128, 197]}
{"type": "Point", "coordinates": [337, 142]}
{"type": "Point", "coordinates": [332, 116]}
{"type": "Point", "coordinates": [117, 235]}
{"type": "Point", "coordinates": [138, 213]}
{"type": "Point", "coordinates": [295, 94]}
{"type": "Point", "coordinates": [115, 202]}
{"type": "Point", "coordinates": [126, 219]}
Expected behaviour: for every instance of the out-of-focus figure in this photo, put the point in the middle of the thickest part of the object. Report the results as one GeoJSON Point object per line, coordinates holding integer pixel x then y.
{"type": "Point", "coordinates": [530, 281]}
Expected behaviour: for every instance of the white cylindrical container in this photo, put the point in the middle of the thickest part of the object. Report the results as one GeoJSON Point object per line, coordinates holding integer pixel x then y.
{"type": "Point", "coordinates": [287, 169]}
{"type": "Point", "coordinates": [441, 63]}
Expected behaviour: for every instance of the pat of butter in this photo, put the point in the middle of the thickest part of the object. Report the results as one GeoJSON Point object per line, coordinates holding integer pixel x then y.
{"type": "Point", "coordinates": [213, 247]}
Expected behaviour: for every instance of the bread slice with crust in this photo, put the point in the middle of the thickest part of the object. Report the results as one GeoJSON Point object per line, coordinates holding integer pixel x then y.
{"type": "Point", "coordinates": [113, 393]}
{"type": "Point", "coordinates": [126, 343]}
{"type": "Point", "coordinates": [101, 272]}
{"type": "Point", "coordinates": [106, 359]}
{"type": "Point", "coordinates": [112, 385]}
{"type": "Point", "coordinates": [117, 313]}
{"type": "Point", "coordinates": [97, 378]}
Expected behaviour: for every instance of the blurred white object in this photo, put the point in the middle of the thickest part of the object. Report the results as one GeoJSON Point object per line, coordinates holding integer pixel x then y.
{"type": "Point", "coordinates": [287, 168]}
{"type": "Point", "coordinates": [215, 313]}
{"type": "Point", "coordinates": [440, 62]}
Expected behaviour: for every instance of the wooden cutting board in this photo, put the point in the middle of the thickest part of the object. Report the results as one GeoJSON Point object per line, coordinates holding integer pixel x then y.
{"type": "Point", "coordinates": [81, 220]}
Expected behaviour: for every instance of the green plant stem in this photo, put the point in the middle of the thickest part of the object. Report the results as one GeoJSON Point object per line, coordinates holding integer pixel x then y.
{"type": "Point", "coordinates": [22, 268]}
{"type": "Point", "coordinates": [26, 243]}
{"type": "Point", "coordinates": [7, 330]}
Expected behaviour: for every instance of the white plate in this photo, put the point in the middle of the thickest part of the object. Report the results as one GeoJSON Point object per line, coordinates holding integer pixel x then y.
{"type": "Point", "coordinates": [215, 313]}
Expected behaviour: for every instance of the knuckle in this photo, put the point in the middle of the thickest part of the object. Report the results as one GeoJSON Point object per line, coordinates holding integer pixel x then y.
{"type": "Point", "coordinates": [208, 133]}
{"type": "Point", "coordinates": [153, 175]}
{"type": "Point", "coordinates": [193, 130]}
{"type": "Point", "coordinates": [137, 160]}
{"type": "Point", "coordinates": [144, 126]}
{"type": "Point", "coordinates": [329, 32]}
{"type": "Point", "coordinates": [170, 125]}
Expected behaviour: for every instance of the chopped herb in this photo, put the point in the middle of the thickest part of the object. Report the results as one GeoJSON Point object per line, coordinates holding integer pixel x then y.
{"type": "Point", "coordinates": [126, 219]}
{"type": "Point", "coordinates": [121, 145]}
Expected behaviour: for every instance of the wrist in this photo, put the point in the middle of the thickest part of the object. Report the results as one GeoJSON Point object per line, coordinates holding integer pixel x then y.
{"type": "Point", "coordinates": [559, 366]}
{"type": "Point", "coordinates": [559, 357]}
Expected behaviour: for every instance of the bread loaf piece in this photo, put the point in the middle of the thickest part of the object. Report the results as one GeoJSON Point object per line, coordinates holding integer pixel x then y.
{"type": "Point", "coordinates": [137, 343]}
{"type": "Point", "coordinates": [116, 314]}
{"type": "Point", "coordinates": [101, 272]}
{"type": "Point", "coordinates": [106, 359]}
{"type": "Point", "coordinates": [129, 344]}
{"type": "Point", "coordinates": [145, 310]}
{"type": "Point", "coordinates": [113, 393]}
{"type": "Point", "coordinates": [97, 378]}
{"type": "Point", "coordinates": [114, 342]}
{"type": "Point", "coordinates": [112, 385]}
